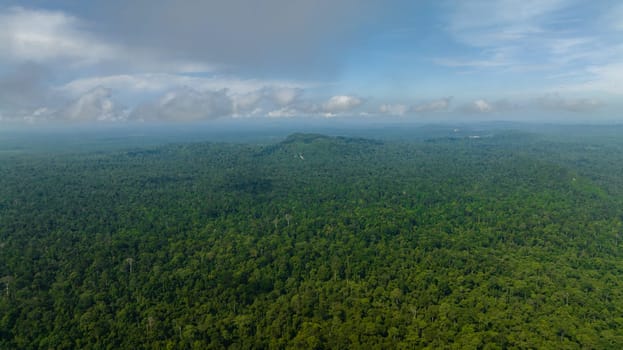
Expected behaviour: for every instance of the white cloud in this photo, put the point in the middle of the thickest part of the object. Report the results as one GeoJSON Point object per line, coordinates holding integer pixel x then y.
{"type": "Point", "coordinates": [29, 116]}
{"type": "Point", "coordinates": [248, 101]}
{"type": "Point", "coordinates": [526, 35]}
{"type": "Point", "coordinates": [334, 107]}
{"type": "Point", "coordinates": [299, 108]}
{"type": "Point", "coordinates": [284, 95]}
{"type": "Point", "coordinates": [279, 99]}
{"type": "Point", "coordinates": [341, 103]}
{"type": "Point", "coordinates": [95, 105]}
{"type": "Point", "coordinates": [557, 102]}
{"type": "Point", "coordinates": [433, 106]}
{"type": "Point", "coordinates": [44, 36]}
{"type": "Point", "coordinates": [338, 105]}
{"type": "Point", "coordinates": [284, 112]}
{"type": "Point", "coordinates": [473, 21]}
{"type": "Point", "coordinates": [39, 36]}
{"type": "Point", "coordinates": [482, 63]}
{"type": "Point", "coordinates": [482, 106]}
{"type": "Point", "coordinates": [247, 97]}
{"type": "Point", "coordinates": [500, 108]}
{"type": "Point", "coordinates": [281, 91]}
{"type": "Point", "coordinates": [478, 106]}
{"type": "Point", "coordinates": [122, 82]}
{"type": "Point", "coordinates": [607, 78]}
{"type": "Point", "coordinates": [604, 78]}
{"type": "Point", "coordinates": [39, 112]}
{"type": "Point", "coordinates": [394, 109]}
{"type": "Point", "coordinates": [187, 104]}
{"type": "Point", "coordinates": [566, 46]}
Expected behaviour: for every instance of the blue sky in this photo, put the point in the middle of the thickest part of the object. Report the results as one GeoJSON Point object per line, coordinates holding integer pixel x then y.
{"type": "Point", "coordinates": [118, 61]}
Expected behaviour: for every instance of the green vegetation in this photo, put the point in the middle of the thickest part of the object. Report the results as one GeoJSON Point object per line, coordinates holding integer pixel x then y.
{"type": "Point", "coordinates": [507, 241]}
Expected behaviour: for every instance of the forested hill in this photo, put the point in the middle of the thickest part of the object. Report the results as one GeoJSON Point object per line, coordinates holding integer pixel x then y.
{"type": "Point", "coordinates": [506, 240]}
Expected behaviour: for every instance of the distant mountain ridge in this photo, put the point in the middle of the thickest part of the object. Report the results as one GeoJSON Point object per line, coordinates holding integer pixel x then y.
{"type": "Point", "coordinates": [303, 142]}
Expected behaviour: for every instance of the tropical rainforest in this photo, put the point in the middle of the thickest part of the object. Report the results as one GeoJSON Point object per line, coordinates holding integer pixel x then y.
{"type": "Point", "coordinates": [506, 240]}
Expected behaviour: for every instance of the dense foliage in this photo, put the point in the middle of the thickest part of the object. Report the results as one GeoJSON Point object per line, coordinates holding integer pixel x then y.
{"type": "Point", "coordinates": [507, 241]}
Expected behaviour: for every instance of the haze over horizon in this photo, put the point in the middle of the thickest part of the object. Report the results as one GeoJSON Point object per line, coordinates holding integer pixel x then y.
{"type": "Point", "coordinates": [429, 61]}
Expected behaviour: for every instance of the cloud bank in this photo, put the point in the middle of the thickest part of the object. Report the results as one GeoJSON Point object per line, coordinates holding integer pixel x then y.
{"type": "Point", "coordinates": [439, 105]}
{"type": "Point", "coordinates": [577, 105]}
{"type": "Point", "coordinates": [162, 60]}
{"type": "Point", "coordinates": [186, 105]}
{"type": "Point", "coordinates": [95, 105]}
{"type": "Point", "coordinates": [341, 103]}
{"type": "Point", "coordinates": [394, 109]}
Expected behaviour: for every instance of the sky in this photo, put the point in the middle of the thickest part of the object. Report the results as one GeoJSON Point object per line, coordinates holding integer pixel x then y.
{"type": "Point", "coordinates": [186, 61]}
